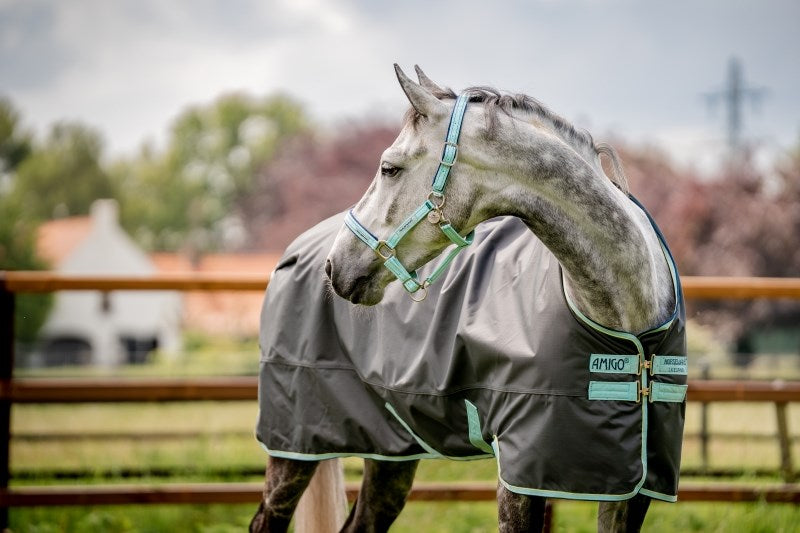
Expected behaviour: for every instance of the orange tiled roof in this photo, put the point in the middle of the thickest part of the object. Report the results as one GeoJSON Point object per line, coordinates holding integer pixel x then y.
{"type": "Point", "coordinates": [251, 263]}
{"type": "Point", "coordinates": [225, 313]}
{"type": "Point", "coordinates": [228, 313]}
{"type": "Point", "coordinates": [56, 239]}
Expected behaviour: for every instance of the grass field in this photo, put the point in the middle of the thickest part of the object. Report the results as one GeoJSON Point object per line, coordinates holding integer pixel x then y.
{"type": "Point", "coordinates": [225, 442]}
{"type": "Point", "coordinates": [416, 518]}
{"type": "Point", "coordinates": [226, 439]}
{"type": "Point", "coordinates": [229, 446]}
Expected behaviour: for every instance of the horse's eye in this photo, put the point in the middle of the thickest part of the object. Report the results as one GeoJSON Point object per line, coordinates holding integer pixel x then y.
{"type": "Point", "coordinates": [389, 170]}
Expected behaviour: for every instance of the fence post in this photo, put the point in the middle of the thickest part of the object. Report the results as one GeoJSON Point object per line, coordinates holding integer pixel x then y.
{"type": "Point", "coordinates": [549, 516]}
{"type": "Point", "coordinates": [785, 441]}
{"type": "Point", "coordinates": [705, 373]}
{"type": "Point", "coordinates": [6, 372]}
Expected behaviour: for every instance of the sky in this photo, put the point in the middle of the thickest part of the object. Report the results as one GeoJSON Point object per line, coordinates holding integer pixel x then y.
{"type": "Point", "coordinates": [623, 69]}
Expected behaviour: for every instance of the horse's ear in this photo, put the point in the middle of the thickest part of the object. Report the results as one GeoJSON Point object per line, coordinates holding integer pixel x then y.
{"type": "Point", "coordinates": [421, 99]}
{"type": "Point", "coordinates": [426, 82]}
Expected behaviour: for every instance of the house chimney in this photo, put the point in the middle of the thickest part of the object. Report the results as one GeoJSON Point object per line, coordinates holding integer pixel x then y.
{"type": "Point", "coordinates": [105, 213]}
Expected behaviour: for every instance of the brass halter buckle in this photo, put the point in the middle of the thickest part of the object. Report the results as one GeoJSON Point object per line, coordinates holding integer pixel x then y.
{"type": "Point", "coordinates": [453, 162]}
{"type": "Point", "coordinates": [388, 254]}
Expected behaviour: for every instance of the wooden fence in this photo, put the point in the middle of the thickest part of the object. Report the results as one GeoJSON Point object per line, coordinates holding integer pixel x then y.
{"type": "Point", "coordinates": [244, 388]}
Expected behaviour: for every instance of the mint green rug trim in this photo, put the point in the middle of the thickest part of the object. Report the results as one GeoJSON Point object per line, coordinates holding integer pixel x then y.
{"type": "Point", "coordinates": [667, 392]}
{"type": "Point", "coordinates": [297, 456]}
{"type": "Point", "coordinates": [425, 446]}
{"type": "Point", "coordinates": [432, 453]}
{"type": "Point", "coordinates": [557, 493]}
{"type": "Point", "coordinates": [623, 334]}
{"type": "Point", "coordinates": [673, 271]}
{"type": "Point", "coordinates": [669, 498]}
{"type": "Point", "coordinates": [598, 327]}
{"type": "Point", "coordinates": [614, 390]}
{"type": "Point", "coordinates": [474, 425]}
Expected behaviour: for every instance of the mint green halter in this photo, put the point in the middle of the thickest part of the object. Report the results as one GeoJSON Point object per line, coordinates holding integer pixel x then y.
{"type": "Point", "coordinates": [431, 209]}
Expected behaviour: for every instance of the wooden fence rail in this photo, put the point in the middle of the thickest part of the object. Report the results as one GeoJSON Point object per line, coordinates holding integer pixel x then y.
{"type": "Point", "coordinates": [696, 287]}
{"type": "Point", "coordinates": [202, 493]}
{"type": "Point", "coordinates": [115, 390]}
{"type": "Point", "coordinates": [245, 389]}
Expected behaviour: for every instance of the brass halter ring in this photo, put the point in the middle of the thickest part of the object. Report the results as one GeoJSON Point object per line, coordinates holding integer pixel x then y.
{"type": "Point", "coordinates": [433, 196]}
{"type": "Point", "coordinates": [435, 216]}
{"type": "Point", "coordinates": [424, 289]}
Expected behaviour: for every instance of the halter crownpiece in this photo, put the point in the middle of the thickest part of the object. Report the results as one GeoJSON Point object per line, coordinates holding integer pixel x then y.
{"type": "Point", "coordinates": [431, 209]}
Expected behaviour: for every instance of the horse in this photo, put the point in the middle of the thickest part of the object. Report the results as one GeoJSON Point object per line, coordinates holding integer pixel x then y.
{"type": "Point", "coordinates": [554, 344]}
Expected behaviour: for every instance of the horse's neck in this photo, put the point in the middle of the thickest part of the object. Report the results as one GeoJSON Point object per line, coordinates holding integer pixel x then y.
{"type": "Point", "coordinates": [614, 267]}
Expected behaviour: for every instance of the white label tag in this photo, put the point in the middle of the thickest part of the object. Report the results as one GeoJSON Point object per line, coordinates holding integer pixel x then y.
{"type": "Point", "coordinates": [671, 364]}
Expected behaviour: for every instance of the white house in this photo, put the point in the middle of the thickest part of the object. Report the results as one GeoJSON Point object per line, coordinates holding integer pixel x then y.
{"type": "Point", "coordinates": [97, 328]}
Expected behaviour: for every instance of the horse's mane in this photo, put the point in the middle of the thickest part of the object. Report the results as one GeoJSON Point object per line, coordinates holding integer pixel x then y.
{"type": "Point", "coordinates": [495, 102]}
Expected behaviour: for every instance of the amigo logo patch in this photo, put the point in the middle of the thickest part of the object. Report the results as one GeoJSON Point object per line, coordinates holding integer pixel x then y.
{"type": "Point", "coordinates": [614, 364]}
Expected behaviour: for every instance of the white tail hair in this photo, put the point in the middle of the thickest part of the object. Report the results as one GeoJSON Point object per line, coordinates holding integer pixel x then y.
{"type": "Point", "coordinates": [323, 506]}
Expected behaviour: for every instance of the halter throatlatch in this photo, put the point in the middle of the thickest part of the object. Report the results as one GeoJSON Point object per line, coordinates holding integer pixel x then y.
{"type": "Point", "coordinates": [431, 209]}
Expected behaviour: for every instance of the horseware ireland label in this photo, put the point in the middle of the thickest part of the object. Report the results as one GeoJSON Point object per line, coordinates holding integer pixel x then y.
{"type": "Point", "coordinates": [614, 364]}
{"type": "Point", "coordinates": [670, 364]}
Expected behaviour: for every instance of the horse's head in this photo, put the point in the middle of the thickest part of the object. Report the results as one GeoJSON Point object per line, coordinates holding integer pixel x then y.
{"type": "Point", "coordinates": [403, 219]}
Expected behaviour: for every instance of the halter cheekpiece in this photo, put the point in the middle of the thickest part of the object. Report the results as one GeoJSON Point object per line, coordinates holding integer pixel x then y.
{"type": "Point", "coordinates": [430, 210]}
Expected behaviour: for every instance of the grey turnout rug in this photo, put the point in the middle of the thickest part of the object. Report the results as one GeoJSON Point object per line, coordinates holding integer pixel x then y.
{"type": "Point", "coordinates": [496, 362]}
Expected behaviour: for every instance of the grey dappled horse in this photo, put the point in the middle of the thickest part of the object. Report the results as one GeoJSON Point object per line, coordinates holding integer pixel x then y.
{"type": "Point", "coordinates": [509, 156]}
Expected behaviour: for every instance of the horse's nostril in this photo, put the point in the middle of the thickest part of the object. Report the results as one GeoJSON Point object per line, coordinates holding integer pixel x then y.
{"type": "Point", "coordinates": [328, 268]}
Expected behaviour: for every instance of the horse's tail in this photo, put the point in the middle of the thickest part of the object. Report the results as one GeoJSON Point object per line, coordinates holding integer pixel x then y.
{"type": "Point", "coordinates": [323, 507]}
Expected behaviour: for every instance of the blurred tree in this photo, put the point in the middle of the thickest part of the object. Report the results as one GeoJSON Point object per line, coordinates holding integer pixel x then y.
{"type": "Point", "coordinates": [311, 178]}
{"type": "Point", "coordinates": [15, 144]}
{"type": "Point", "coordinates": [17, 232]}
{"type": "Point", "coordinates": [743, 222]}
{"type": "Point", "coordinates": [18, 252]}
{"type": "Point", "coordinates": [63, 176]}
{"type": "Point", "coordinates": [186, 197]}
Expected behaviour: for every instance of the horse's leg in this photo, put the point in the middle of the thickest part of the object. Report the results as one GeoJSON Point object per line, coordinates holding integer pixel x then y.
{"type": "Point", "coordinates": [622, 517]}
{"type": "Point", "coordinates": [383, 494]}
{"type": "Point", "coordinates": [286, 481]}
{"type": "Point", "coordinates": [519, 512]}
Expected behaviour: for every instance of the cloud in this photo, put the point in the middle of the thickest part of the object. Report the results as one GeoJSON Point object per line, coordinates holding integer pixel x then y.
{"type": "Point", "coordinates": [29, 53]}
{"type": "Point", "coordinates": [130, 66]}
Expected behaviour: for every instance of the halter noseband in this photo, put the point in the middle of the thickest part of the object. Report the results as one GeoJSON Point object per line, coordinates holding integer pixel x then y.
{"type": "Point", "coordinates": [430, 209]}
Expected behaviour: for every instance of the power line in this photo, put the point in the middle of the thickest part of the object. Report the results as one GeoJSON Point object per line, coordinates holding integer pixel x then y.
{"type": "Point", "coordinates": [733, 96]}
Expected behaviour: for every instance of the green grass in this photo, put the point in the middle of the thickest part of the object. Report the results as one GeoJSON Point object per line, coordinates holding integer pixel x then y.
{"type": "Point", "coordinates": [229, 427]}
{"type": "Point", "coordinates": [228, 444]}
{"type": "Point", "coordinates": [577, 517]}
{"type": "Point", "coordinates": [132, 518]}
{"type": "Point", "coordinates": [418, 517]}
